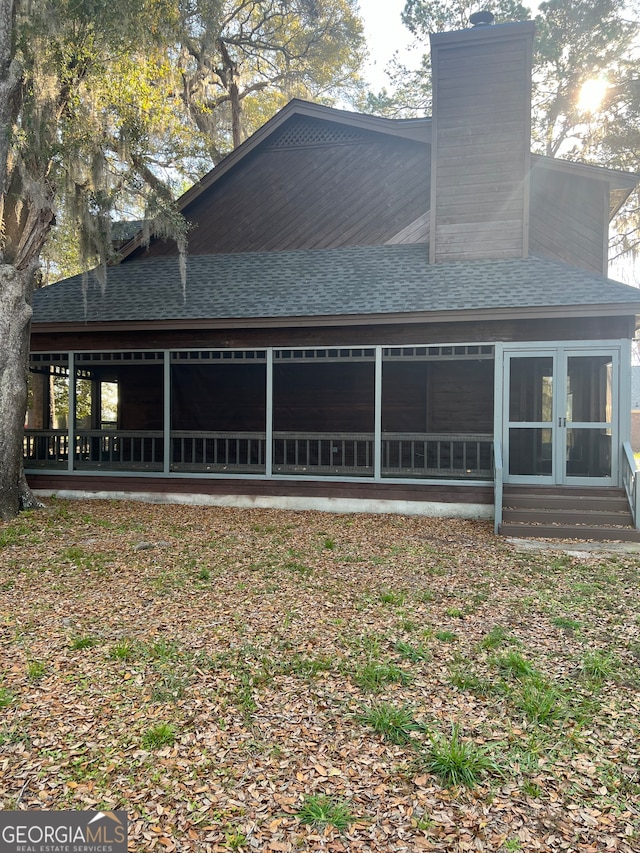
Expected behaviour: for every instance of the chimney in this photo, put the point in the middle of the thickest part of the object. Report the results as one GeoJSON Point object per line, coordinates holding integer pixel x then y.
{"type": "Point", "coordinates": [481, 141]}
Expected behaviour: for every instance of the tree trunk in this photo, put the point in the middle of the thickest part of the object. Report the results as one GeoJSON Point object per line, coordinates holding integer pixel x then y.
{"type": "Point", "coordinates": [16, 289]}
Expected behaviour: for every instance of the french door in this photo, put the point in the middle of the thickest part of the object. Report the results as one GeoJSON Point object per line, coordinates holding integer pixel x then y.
{"type": "Point", "coordinates": [560, 415]}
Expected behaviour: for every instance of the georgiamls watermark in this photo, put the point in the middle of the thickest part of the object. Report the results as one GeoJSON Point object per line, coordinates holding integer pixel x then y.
{"type": "Point", "coordinates": [63, 832]}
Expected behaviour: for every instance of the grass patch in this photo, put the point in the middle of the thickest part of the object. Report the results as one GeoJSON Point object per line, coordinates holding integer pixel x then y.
{"type": "Point", "coordinates": [158, 736]}
{"type": "Point", "coordinates": [513, 665]}
{"type": "Point", "coordinates": [36, 670]}
{"type": "Point", "coordinates": [415, 654]}
{"type": "Point", "coordinates": [168, 688]}
{"type": "Point", "coordinates": [84, 642]}
{"type": "Point", "coordinates": [124, 650]}
{"type": "Point", "coordinates": [320, 810]}
{"type": "Point", "coordinates": [372, 677]}
{"type": "Point", "coordinates": [309, 667]}
{"type": "Point", "coordinates": [600, 665]}
{"type": "Point", "coordinates": [395, 724]}
{"type": "Point", "coordinates": [446, 636]}
{"type": "Point", "coordinates": [540, 703]}
{"type": "Point", "coordinates": [456, 761]}
{"type": "Point", "coordinates": [6, 697]}
{"type": "Point", "coordinates": [389, 596]}
{"type": "Point", "coordinates": [496, 637]}
{"type": "Point", "coordinates": [565, 623]}
{"type": "Point", "coordinates": [465, 678]}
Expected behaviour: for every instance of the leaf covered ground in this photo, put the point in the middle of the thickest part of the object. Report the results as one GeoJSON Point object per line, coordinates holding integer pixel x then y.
{"type": "Point", "coordinates": [280, 681]}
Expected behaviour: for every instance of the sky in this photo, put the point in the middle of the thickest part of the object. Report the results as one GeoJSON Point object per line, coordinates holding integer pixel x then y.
{"type": "Point", "coordinates": [385, 33]}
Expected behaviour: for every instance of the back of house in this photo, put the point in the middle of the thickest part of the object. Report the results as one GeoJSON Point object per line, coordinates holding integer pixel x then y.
{"type": "Point", "coordinates": [379, 315]}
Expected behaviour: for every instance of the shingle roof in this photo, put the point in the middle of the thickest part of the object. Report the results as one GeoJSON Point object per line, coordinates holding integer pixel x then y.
{"type": "Point", "coordinates": [377, 280]}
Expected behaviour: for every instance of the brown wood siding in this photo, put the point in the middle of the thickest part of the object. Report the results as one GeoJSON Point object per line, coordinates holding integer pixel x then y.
{"type": "Point", "coordinates": [551, 329]}
{"type": "Point", "coordinates": [460, 396]}
{"type": "Point", "coordinates": [141, 394]}
{"type": "Point", "coordinates": [218, 397]}
{"type": "Point", "coordinates": [448, 396]}
{"type": "Point", "coordinates": [445, 493]}
{"type": "Point", "coordinates": [358, 193]}
{"type": "Point", "coordinates": [404, 396]}
{"type": "Point", "coordinates": [569, 219]}
{"type": "Point", "coordinates": [482, 131]}
{"type": "Point", "coordinates": [335, 397]}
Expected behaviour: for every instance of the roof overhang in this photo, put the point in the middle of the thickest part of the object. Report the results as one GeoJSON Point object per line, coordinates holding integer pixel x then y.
{"type": "Point", "coordinates": [331, 321]}
{"type": "Point", "coordinates": [620, 184]}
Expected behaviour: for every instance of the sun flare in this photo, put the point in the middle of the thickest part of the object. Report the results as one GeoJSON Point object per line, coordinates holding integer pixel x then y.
{"type": "Point", "coordinates": [592, 94]}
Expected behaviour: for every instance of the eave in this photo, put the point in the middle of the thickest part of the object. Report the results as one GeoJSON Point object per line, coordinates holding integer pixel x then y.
{"type": "Point", "coordinates": [621, 184]}
{"type": "Point", "coordinates": [330, 321]}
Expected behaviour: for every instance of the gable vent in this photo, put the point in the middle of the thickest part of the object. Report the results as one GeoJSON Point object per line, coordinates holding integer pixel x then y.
{"type": "Point", "coordinates": [305, 133]}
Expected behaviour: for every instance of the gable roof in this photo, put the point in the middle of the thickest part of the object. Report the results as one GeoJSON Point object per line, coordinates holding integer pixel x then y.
{"type": "Point", "coordinates": [419, 130]}
{"type": "Point", "coordinates": [414, 130]}
{"type": "Point", "coordinates": [379, 284]}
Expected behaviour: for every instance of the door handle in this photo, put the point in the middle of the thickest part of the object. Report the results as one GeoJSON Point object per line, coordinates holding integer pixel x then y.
{"type": "Point", "coordinates": [562, 422]}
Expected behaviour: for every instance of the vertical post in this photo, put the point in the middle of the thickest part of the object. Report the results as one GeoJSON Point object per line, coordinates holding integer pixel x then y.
{"type": "Point", "coordinates": [377, 437]}
{"type": "Point", "coordinates": [498, 429]}
{"type": "Point", "coordinates": [166, 412]}
{"type": "Point", "coordinates": [622, 406]}
{"type": "Point", "coordinates": [269, 416]}
{"type": "Point", "coordinates": [497, 485]}
{"type": "Point", "coordinates": [71, 415]}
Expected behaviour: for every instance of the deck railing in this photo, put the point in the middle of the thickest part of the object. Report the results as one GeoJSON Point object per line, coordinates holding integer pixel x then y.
{"type": "Point", "coordinates": [218, 451]}
{"type": "Point", "coordinates": [303, 453]}
{"type": "Point", "coordinates": [46, 448]}
{"type": "Point", "coordinates": [119, 450]}
{"type": "Point", "coordinates": [437, 454]}
{"type": "Point", "coordinates": [323, 453]}
{"type": "Point", "coordinates": [630, 476]}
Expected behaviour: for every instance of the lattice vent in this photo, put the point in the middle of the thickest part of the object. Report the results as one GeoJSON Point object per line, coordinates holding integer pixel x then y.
{"type": "Point", "coordinates": [309, 132]}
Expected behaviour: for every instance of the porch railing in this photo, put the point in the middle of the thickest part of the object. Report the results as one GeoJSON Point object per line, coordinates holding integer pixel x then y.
{"type": "Point", "coordinates": [630, 476]}
{"type": "Point", "coordinates": [218, 451]}
{"type": "Point", "coordinates": [46, 448]}
{"type": "Point", "coordinates": [94, 448]}
{"type": "Point", "coordinates": [325, 453]}
{"type": "Point", "coordinates": [122, 450]}
{"type": "Point", "coordinates": [403, 454]}
{"type": "Point", "coordinates": [438, 454]}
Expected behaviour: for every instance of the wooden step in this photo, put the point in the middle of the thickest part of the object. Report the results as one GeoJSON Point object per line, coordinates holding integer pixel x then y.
{"type": "Point", "coordinates": [589, 503]}
{"type": "Point", "coordinates": [567, 512]}
{"type": "Point", "coordinates": [520, 488]}
{"type": "Point", "coordinates": [562, 531]}
{"type": "Point", "coordinates": [579, 515]}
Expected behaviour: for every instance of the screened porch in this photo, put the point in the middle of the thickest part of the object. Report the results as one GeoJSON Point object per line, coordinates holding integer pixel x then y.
{"type": "Point", "coordinates": [369, 412]}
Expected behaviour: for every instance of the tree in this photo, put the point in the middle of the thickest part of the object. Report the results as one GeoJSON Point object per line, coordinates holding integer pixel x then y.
{"type": "Point", "coordinates": [107, 109]}
{"type": "Point", "coordinates": [254, 55]}
{"type": "Point", "coordinates": [575, 42]}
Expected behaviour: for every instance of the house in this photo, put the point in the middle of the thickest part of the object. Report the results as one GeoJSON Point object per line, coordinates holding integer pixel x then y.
{"type": "Point", "coordinates": [379, 315]}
